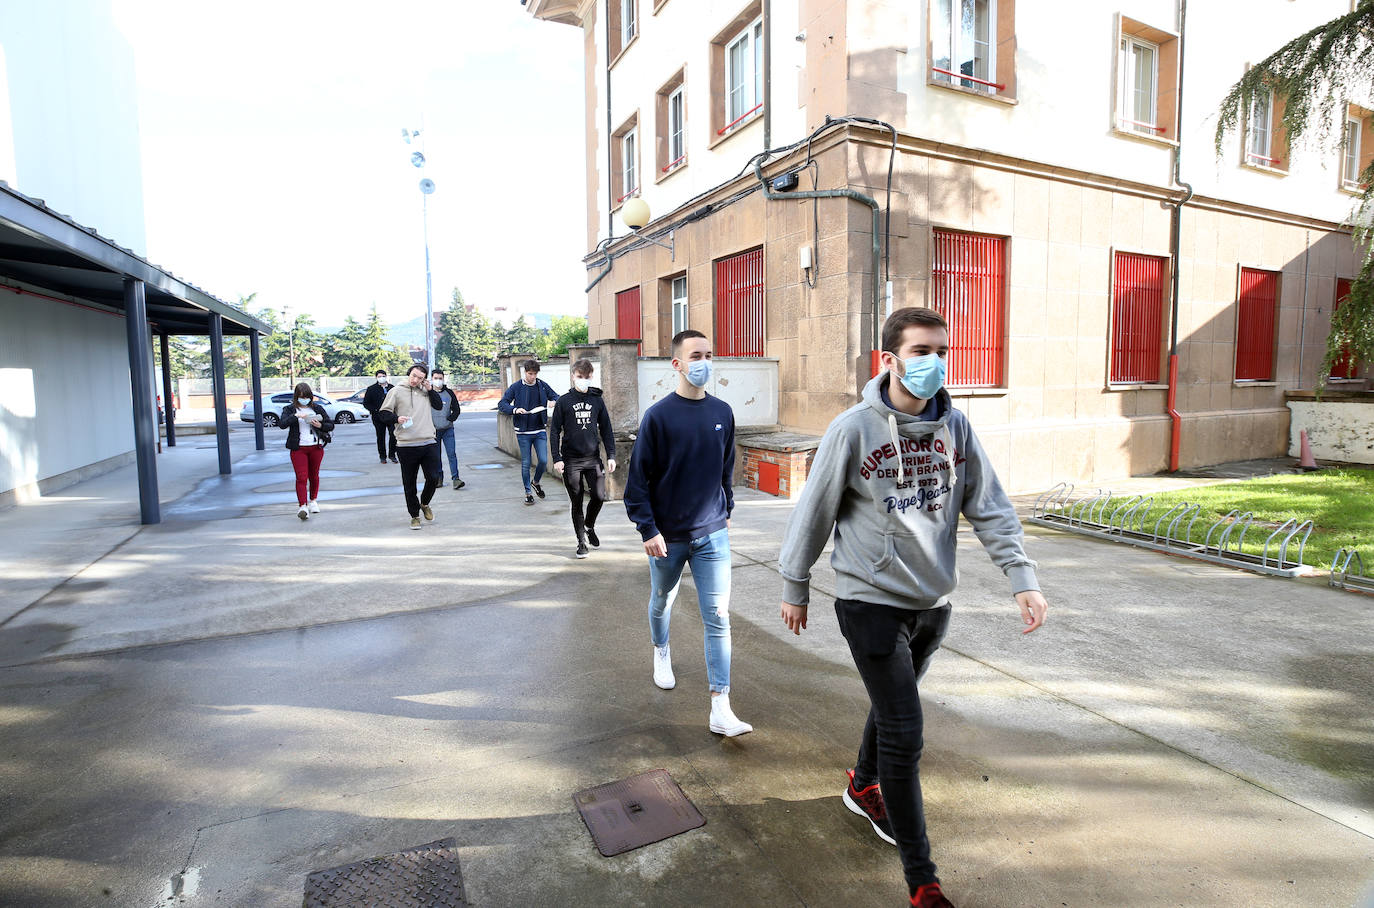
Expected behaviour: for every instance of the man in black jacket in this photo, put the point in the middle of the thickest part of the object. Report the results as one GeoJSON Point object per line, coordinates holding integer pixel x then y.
{"type": "Point", "coordinates": [579, 421]}
{"type": "Point", "coordinates": [372, 400]}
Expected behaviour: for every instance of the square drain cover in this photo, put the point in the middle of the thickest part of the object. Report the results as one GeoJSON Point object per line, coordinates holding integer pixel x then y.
{"type": "Point", "coordinates": [423, 877]}
{"type": "Point", "coordinates": [634, 812]}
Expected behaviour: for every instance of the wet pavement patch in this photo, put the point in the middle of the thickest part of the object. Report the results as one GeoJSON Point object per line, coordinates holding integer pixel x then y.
{"type": "Point", "coordinates": [634, 812]}
{"type": "Point", "coordinates": [423, 877]}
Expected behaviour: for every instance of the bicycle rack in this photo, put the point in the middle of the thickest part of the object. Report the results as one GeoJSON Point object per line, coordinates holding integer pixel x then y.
{"type": "Point", "coordinates": [1133, 521]}
{"type": "Point", "coordinates": [1343, 578]}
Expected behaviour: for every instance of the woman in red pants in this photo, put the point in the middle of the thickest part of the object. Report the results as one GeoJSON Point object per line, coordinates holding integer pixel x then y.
{"type": "Point", "coordinates": [307, 432]}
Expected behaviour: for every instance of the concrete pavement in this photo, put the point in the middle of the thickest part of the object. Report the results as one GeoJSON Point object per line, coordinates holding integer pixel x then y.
{"type": "Point", "coordinates": [205, 711]}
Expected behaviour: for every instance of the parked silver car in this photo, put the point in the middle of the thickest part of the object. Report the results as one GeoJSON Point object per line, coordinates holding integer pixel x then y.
{"type": "Point", "coordinates": [341, 411]}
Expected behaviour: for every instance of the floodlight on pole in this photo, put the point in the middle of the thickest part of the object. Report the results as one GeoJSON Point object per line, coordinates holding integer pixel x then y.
{"type": "Point", "coordinates": [417, 159]}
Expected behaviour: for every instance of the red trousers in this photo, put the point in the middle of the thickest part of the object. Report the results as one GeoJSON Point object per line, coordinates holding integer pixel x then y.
{"type": "Point", "coordinates": [306, 461]}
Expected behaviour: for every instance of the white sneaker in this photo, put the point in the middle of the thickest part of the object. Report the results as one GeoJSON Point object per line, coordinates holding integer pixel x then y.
{"type": "Point", "coordinates": [303, 513]}
{"type": "Point", "coordinates": [663, 668]}
{"type": "Point", "coordinates": [314, 507]}
{"type": "Point", "coordinates": [724, 721]}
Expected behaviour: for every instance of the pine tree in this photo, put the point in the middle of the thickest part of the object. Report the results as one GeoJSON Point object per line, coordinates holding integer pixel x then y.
{"type": "Point", "coordinates": [467, 344]}
{"type": "Point", "coordinates": [1317, 74]}
{"type": "Point", "coordinates": [521, 337]}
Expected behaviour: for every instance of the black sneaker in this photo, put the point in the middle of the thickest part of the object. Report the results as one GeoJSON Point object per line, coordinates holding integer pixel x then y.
{"type": "Point", "coordinates": [869, 805]}
{"type": "Point", "coordinates": [395, 459]}
{"type": "Point", "coordinates": [383, 460]}
{"type": "Point", "coordinates": [529, 499]}
{"type": "Point", "coordinates": [458, 484]}
{"type": "Point", "coordinates": [593, 538]}
{"type": "Point", "coordinates": [537, 490]}
{"type": "Point", "coordinates": [582, 550]}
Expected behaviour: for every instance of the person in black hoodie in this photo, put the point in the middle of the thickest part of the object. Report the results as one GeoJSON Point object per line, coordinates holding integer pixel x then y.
{"type": "Point", "coordinates": [579, 422]}
{"type": "Point", "coordinates": [386, 432]}
{"type": "Point", "coordinates": [307, 428]}
{"type": "Point", "coordinates": [527, 403]}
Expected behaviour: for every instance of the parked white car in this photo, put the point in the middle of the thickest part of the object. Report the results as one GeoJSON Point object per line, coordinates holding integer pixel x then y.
{"type": "Point", "coordinates": [341, 411]}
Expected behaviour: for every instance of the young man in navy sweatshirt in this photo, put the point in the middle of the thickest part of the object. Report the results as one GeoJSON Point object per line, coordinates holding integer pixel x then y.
{"type": "Point", "coordinates": [679, 496]}
{"type": "Point", "coordinates": [578, 425]}
{"type": "Point", "coordinates": [527, 402]}
{"type": "Point", "coordinates": [890, 480]}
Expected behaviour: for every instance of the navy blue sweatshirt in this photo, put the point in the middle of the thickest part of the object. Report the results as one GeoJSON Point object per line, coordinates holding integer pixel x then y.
{"type": "Point", "coordinates": [533, 397]}
{"type": "Point", "coordinates": [682, 469]}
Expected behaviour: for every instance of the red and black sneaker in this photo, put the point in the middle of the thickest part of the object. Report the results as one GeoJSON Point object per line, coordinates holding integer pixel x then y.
{"type": "Point", "coordinates": [869, 805]}
{"type": "Point", "coordinates": [930, 896]}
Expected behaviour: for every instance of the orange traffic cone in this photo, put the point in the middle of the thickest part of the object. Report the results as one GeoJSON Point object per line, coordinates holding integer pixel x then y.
{"type": "Point", "coordinates": [1306, 462]}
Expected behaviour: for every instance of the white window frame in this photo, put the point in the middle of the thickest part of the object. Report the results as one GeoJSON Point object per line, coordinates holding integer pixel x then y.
{"type": "Point", "coordinates": [1350, 154]}
{"type": "Point", "coordinates": [679, 304]}
{"type": "Point", "coordinates": [1126, 83]}
{"type": "Point", "coordinates": [627, 22]}
{"type": "Point", "coordinates": [748, 83]}
{"type": "Point", "coordinates": [677, 126]}
{"type": "Point", "coordinates": [1254, 155]}
{"type": "Point", "coordinates": [629, 170]}
{"type": "Point", "coordinates": [953, 31]}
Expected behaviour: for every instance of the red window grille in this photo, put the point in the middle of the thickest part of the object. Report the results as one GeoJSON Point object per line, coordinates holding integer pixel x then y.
{"type": "Point", "coordinates": [739, 305]}
{"type": "Point", "coordinates": [1345, 366]}
{"type": "Point", "coordinates": [1255, 313]}
{"type": "Point", "coordinates": [970, 292]}
{"type": "Point", "coordinates": [627, 323]}
{"type": "Point", "coordinates": [1137, 317]}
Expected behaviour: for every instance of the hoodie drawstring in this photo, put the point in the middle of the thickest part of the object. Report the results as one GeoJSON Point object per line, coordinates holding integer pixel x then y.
{"type": "Point", "coordinates": [897, 445]}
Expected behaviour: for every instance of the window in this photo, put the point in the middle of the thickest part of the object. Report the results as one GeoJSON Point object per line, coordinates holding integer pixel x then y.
{"type": "Point", "coordinates": [744, 74]}
{"type": "Point", "coordinates": [1139, 75]}
{"type": "Point", "coordinates": [1357, 151]}
{"type": "Point", "coordinates": [736, 76]}
{"type": "Point", "coordinates": [625, 150]}
{"type": "Point", "coordinates": [739, 305]}
{"type": "Point", "coordinates": [1137, 327]}
{"type": "Point", "coordinates": [968, 288]}
{"type": "Point", "coordinates": [1146, 80]}
{"type": "Point", "coordinates": [961, 42]}
{"type": "Point", "coordinates": [679, 303]}
{"type": "Point", "coordinates": [671, 120]}
{"type": "Point", "coordinates": [1266, 143]}
{"type": "Point", "coordinates": [627, 321]}
{"type": "Point", "coordinates": [623, 26]}
{"type": "Point", "coordinates": [1255, 318]}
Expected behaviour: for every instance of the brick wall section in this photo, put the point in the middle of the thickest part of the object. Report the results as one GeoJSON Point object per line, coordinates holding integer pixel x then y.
{"type": "Point", "coordinates": [789, 454]}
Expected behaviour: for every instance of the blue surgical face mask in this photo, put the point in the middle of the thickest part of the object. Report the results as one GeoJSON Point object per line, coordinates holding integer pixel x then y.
{"type": "Point", "coordinates": [924, 375]}
{"type": "Point", "coordinates": [303, 401]}
{"type": "Point", "coordinates": [699, 372]}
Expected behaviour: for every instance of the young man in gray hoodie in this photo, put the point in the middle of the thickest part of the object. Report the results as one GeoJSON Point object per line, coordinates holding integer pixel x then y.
{"type": "Point", "coordinates": [890, 479]}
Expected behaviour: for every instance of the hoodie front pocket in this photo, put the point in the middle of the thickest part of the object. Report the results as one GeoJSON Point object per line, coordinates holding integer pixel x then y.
{"type": "Point", "coordinates": [889, 552]}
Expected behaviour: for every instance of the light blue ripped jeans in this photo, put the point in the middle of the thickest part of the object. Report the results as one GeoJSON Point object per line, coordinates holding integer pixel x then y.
{"type": "Point", "coordinates": [709, 558]}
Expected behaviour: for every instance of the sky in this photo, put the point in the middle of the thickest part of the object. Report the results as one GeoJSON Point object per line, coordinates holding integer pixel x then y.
{"type": "Point", "coordinates": [273, 161]}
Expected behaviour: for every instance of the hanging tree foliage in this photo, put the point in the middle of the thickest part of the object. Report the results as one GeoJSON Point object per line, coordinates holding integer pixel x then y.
{"type": "Point", "coordinates": [1318, 74]}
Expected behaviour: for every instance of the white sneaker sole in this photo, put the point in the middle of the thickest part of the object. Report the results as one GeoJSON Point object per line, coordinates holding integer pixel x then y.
{"type": "Point", "coordinates": [854, 806]}
{"type": "Point", "coordinates": [662, 685]}
{"type": "Point", "coordinates": [734, 731]}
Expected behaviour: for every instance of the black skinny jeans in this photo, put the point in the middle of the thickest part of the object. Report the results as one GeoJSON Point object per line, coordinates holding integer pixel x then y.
{"type": "Point", "coordinates": [384, 432]}
{"type": "Point", "coordinates": [587, 470]}
{"type": "Point", "coordinates": [413, 459]}
{"type": "Point", "coordinates": [892, 648]}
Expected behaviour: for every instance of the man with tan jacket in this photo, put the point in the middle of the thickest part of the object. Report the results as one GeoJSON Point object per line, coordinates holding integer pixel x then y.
{"type": "Point", "coordinates": [410, 407]}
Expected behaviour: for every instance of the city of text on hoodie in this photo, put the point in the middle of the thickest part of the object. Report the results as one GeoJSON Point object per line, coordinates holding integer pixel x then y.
{"type": "Point", "coordinates": [892, 486]}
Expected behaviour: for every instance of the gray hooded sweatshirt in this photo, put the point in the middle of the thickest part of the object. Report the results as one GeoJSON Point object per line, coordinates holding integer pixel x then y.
{"type": "Point", "coordinates": [895, 516]}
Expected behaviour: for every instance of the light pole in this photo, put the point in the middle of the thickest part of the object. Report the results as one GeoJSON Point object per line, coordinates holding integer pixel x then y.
{"type": "Point", "coordinates": [417, 158]}
{"type": "Point", "coordinates": [290, 344]}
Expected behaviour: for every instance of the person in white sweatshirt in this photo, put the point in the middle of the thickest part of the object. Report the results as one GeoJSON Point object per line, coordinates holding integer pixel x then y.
{"type": "Point", "coordinates": [890, 480]}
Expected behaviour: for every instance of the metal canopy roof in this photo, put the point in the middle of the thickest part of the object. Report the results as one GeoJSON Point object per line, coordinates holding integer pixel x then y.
{"type": "Point", "coordinates": [41, 248]}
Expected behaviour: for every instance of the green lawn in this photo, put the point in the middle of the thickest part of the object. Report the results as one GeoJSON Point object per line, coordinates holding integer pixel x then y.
{"type": "Point", "coordinates": [1339, 502]}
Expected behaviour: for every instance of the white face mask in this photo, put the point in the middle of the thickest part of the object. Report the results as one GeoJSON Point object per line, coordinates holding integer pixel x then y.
{"type": "Point", "coordinates": [303, 401]}
{"type": "Point", "coordinates": [381, 379]}
{"type": "Point", "coordinates": [438, 383]}
{"type": "Point", "coordinates": [582, 384]}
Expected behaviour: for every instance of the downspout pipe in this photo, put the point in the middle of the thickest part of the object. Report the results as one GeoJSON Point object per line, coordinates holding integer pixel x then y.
{"type": "Point", "coordinates": [610, 144]}
{"type": "Point", "coordinates": [1175, 242]}
{"type": "Point", "coordinates": [872, 203]}
{"type": "Point", "coordinates": [767, 75]}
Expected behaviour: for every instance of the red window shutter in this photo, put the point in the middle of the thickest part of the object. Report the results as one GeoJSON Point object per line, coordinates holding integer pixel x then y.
{"type": "Point", "coordinates": [1345, 366]}
{"type": "Point", "coordinates": [1137, 317]}
{"type": "Point", "coordinates": [627, 322]}
{"type": "Point", "coordinates": [739, 305]}
{"type": "Point", "coordinates": [969, 290]}
{"type": "Point", "coordinates": [1255, 315]}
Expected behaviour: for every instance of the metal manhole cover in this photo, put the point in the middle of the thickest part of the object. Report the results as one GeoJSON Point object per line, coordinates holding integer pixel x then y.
{"type": "Point", "coordinates": [634, 812]}
{"type": "Point", "coordinates": [423, 877]}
